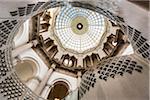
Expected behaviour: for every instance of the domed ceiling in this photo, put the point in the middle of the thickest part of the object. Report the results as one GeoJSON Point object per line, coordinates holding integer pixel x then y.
{"type": "Point", "coordinates": [79, 30]}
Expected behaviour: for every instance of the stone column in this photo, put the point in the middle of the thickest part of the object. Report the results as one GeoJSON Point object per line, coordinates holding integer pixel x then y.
{"type": "Point", "coordinates": [33, 83]}
{"type": "Point", "coordinates": [43, 83]}
{"type": "Point", "coordinates": [79, 79]}
{"type": "Point", "coordinates": [24, 47]}
{"type": "Point", "coordinates": [80, 62]}
{"type": "Point", "coordinates": [46, 91]}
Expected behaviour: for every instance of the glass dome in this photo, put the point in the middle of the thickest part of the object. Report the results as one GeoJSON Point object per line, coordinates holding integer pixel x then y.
{"type": "Point", "coordinates": [79, 29]}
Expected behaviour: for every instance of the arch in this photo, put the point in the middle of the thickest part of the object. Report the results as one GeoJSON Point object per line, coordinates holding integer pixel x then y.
{"type": "Point", "coordinates": [36, 68]}
{"type": "Point", "coordinates": [24, 64]}
{"type": "Point", "coordinates": [25, 69]}
{"type": "Point", "coordinates": [63, 80]}
{"type": "Point", "coordinates": [125, 27]}
{"type": "Point", "coordinates": [59, 90]}
{"type": "Point", "coordinates": [22, 35]}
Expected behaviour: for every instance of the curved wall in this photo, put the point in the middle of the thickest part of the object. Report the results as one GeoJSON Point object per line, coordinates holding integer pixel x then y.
{"type": "Point", "coordinates": [10, 23]}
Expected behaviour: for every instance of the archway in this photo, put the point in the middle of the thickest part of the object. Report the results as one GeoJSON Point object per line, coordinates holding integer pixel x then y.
{"type": "Point", "coordinates": [58, 91]}
{"type": "Point", "coordinates": [25, 70]}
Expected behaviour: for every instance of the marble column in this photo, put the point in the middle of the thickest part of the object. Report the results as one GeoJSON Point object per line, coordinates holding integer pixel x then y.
{"type": "Point", "coordinates": [33, 83]}
{"type": "Point", "coordinates": [43, 83]}
{"type": "Point", "coordinates": [24, 47]}
{"type": "Point", "coordinates": [79, 79]}
{"type": "Point", "coordinates": [46, 91]}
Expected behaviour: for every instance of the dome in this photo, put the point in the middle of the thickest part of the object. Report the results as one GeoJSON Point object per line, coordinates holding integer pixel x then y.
{"type": "Point", "coordinates": [78, 29]}
{"type": "Point", "coordinates": [74, 50]}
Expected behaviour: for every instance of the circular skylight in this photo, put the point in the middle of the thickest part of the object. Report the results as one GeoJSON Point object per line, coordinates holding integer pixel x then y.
{"type": "Point", "coordinates": [79, 29]}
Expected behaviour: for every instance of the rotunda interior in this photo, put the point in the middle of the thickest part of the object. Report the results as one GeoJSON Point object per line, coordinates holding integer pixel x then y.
{"type": "Point", "coordinates": [74, 50]}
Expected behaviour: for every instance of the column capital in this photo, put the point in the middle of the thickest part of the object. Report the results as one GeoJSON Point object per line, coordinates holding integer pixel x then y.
{"type": "Point", "coordinates": [79, 74]}
{"type": "Point", "coordinates": [35, 42]}
{"type": "Point", "coordinates": [49, 85]}
{"type": "Point", "coordinates": [53, 66]}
